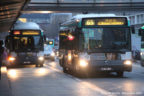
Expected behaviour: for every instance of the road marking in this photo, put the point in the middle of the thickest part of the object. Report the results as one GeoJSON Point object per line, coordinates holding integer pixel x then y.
{"type": "Point", "coordinates": [86, 84]}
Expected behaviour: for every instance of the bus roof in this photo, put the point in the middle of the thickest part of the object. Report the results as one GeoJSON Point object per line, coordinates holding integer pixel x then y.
{"type": "Point", "coordinates": [91, 15]}
{"type": "Point", "coordinates": [80, 16]}
{"type": "Point", "coordinates": [26, 26]}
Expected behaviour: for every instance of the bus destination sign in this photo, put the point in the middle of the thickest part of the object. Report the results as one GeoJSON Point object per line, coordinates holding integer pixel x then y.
{"type": "Point", "coordinates": [104, 21]}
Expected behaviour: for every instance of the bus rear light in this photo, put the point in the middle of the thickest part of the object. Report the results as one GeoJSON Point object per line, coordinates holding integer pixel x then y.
{"type": "Point", "coordinates": [70, 37]}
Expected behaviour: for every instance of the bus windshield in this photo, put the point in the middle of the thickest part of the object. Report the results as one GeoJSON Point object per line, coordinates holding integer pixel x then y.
{"type": "Point", "coordinates": [27, 43]}
{"type": "Point", "coordinates": [105, 38]}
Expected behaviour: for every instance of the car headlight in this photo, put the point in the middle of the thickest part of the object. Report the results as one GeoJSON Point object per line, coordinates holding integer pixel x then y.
{"type": "Point", "coordinates": [83, 63]}
{"type": "Point", "coordinates": [52, 54]}
{"type": "Point", "coordinates": [11, 59]}
{"type": "Point", "coordinates": [41, 58]}
{"type": "Point", "coordinates": [128, 62]}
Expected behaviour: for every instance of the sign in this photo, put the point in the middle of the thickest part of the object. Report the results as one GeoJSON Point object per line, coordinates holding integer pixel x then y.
{"type": "Point", "coordinates": [30, 33]}
{"type": "Point", "coordinates": [90, 22]}
{"type": "Point", "coordinates": [104, 21]}
{"type": "Point", "coordinates": [25, 32]}
{"type": "Point", "coordinates": [110, 22]}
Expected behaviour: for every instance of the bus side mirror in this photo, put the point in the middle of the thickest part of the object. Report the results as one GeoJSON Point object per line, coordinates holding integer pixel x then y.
{"type": "Point", "coordinates": [140, 32]}
{"type": "Point", "coordinates": [133, 29]}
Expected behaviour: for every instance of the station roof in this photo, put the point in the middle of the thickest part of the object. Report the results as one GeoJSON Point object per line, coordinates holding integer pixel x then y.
{"type": "Point", "coordinates": [9, 11]}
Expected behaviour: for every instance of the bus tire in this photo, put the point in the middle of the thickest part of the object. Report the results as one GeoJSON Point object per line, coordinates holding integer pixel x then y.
{"type": "Point", "coordinates": [37, 65]}
{"type": "Point", "coordinates": [65, 70]}
{"type": "Point", "coordinates": [78, 73]}
{"type": "Point", "coordinates": [142, 63]}
{"type": "Point", "coordinates": [8, 67]}
{"type": "Point", "coordinates": [41, 65]}
{"type": "Point", "coordinates": [53, 59]}
{"type": "Point", "coordinates": [120, 74]}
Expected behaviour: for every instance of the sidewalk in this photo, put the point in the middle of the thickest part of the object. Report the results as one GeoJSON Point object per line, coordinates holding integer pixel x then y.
{"type": "Point", "coordinates": [5, 89]}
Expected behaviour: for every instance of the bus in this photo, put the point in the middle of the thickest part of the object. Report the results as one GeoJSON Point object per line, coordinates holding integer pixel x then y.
{"type": "Point", "coordinates": [25, 44]}
{"type": "Point", "coordinates": [95, 43]}
{"type": "Point", "coordinates": [141, 33]}
{"type": "Point", "coordinates": [49, 49]}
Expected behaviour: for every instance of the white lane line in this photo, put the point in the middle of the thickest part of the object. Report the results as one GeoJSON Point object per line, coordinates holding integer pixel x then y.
{"type": "Point", "coordinates": [99, 90]}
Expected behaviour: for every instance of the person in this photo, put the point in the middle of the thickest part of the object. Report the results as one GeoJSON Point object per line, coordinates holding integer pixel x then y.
{"type": "Point", "coordinates": [4, 57]}
{"type": "Point", "coordinates": [1, 55]}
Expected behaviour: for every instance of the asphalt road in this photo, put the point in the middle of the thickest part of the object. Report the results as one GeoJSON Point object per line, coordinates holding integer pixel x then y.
{"type": "Point", "coordinates": [51, 81]}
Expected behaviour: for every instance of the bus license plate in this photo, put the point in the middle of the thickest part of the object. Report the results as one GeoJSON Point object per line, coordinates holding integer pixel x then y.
{"type": "Point", "coordinates": [106, 69]}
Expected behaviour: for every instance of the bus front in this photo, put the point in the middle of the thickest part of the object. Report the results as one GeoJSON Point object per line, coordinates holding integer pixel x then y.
{"type": "Point", "coordinates": [141, 33]}
{"type": "Point", "coordinates": [25, 47]}
{"type": "Point", "coordinates": [107, 41]}
{"type": "Point", "coordinates": [48, 50]}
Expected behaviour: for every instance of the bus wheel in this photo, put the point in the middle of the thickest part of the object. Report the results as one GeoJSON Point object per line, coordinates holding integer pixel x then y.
{"type": "Point", "coordinates": [37, 65]}
{"type": "Point", "coordinates": [65, 70]}
{"type": "Point", "coordinates": [8, 67]}
{"type": "Point", "coordinates": [78, 72]}
{"type": "Point", "coordinates": [120, 74]}
{"type": "Point", "coordinates": [41, 65]}
{"type": "Point", "coordinates": [142, 63]}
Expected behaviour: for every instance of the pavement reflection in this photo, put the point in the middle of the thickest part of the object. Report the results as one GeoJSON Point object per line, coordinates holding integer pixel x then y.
{"type": "Point", "coordinates": [3, 69]}
{"type": "Point", "coordinates": [41, 72]}
{"type": "Point", "coordinates": [13, 74]}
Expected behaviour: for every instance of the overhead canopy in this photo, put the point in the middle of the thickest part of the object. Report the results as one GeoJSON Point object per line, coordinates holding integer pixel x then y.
{"type": "Point", "coordinates": [85, 6]}
{"type": "Point", "coordinates": [9, 11]}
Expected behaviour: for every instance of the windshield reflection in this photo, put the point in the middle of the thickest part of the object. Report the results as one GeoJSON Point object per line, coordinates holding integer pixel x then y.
{"type": "Point", "coordinates": [105, 38]}
{"type": "Point", "coordinates": [29, 43]}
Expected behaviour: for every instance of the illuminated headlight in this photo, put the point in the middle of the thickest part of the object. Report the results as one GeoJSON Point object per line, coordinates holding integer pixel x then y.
{"type": "Point", "coordinates": [128, 62]}
{"type": "Point", "coordinates": [11, 58]}
{"type": "Point", "coordinates": [41, 58]}
{"type": "Point", "coordinates": [142, 53]}
{"type": "Point", "coordinates": [83, 63]}
{"type": "Point", "coordinates": [52, 54]}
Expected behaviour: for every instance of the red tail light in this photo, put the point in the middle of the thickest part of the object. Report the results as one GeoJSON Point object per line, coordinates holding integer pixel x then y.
{"type": "Point", "coordinates": [70, 37]}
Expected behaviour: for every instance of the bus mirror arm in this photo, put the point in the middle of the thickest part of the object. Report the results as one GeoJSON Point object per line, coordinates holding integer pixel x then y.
{"type": "Point", "coordinates": [133, 29]}
{"type": "Point", "coordinates": [139, 32]}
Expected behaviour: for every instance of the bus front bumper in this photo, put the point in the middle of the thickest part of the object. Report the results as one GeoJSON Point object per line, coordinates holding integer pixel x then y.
{"type": "Point", "coordinates": [106, 66]}
{"type": "Point", "coordinates": [25, 61]}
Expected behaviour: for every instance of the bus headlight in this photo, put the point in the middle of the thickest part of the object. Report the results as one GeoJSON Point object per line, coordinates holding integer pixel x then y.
{"type": "Point", "coordinates": [41, 58]}
{"type": "Point", "coordinates": [83, 63]}
{"type": "Point", "coordinates": [128, 62]}
{"type": "Point", "coordinates": [142, 53]}
{"type": "Point", "coordinates": [52, 54]}
{"type": "Point", "coordinates": [11, 59]}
